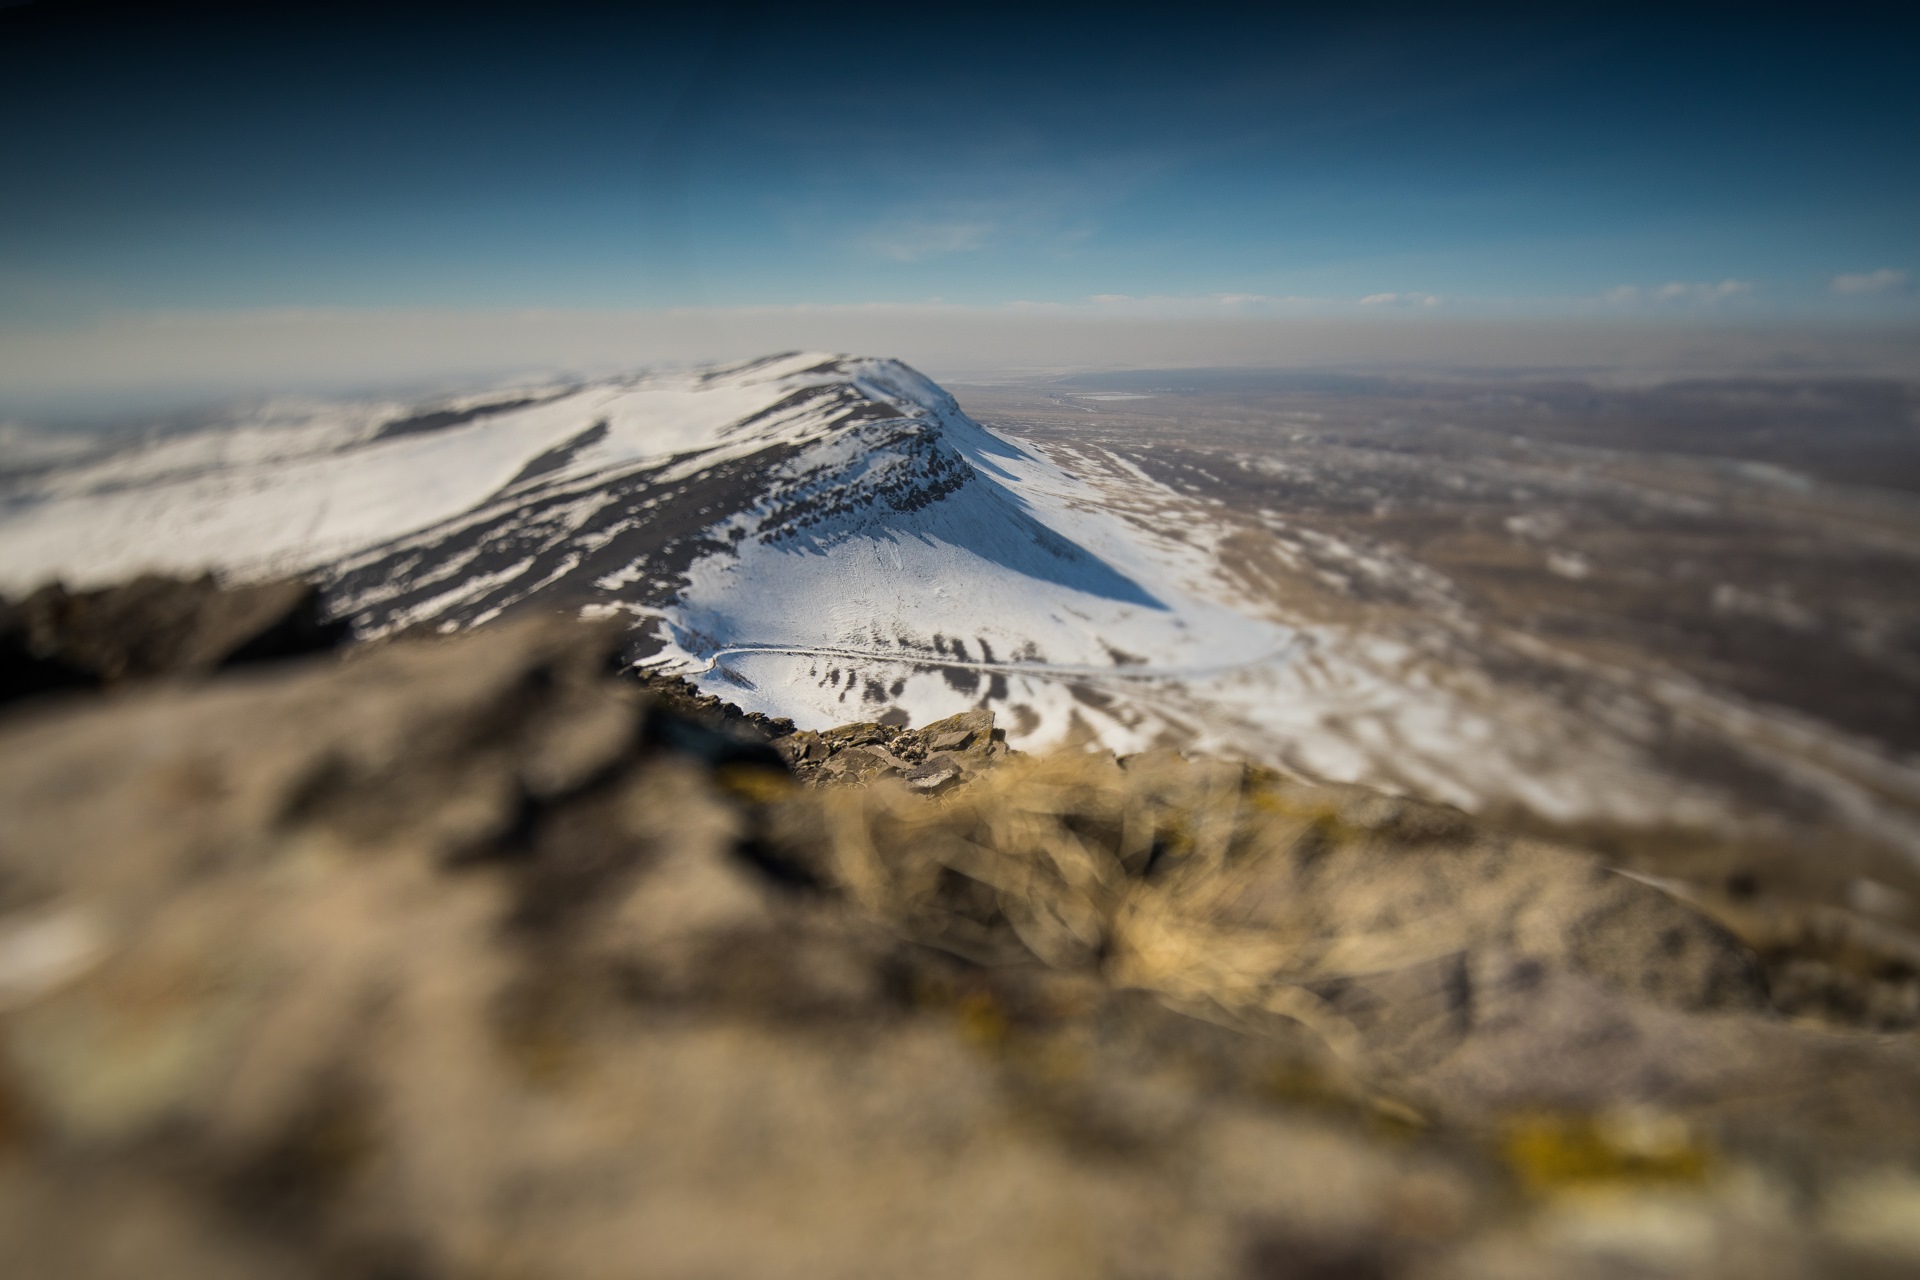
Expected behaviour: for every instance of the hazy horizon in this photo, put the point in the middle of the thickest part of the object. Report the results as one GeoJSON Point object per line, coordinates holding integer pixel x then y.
{"type": "Point", "coordinates": [214, 199]}
{"type": "Point", "coordinates": [150, 366]}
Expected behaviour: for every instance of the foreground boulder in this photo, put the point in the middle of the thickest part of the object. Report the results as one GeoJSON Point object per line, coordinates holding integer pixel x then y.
{"type": "Point", "coordinates": [56, 639]}
{"type": "Point", "coordinates": [463, 958]}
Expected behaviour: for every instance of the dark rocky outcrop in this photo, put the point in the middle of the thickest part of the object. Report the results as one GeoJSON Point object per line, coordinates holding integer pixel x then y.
{"type": "Point", "coordinates": [933, 758]}
{"type": "Point", "coordinates": [56, 639]}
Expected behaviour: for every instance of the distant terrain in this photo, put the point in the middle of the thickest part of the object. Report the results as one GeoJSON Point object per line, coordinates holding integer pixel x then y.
{"type": "Point", "coordinates": [1663, 621]}
{"type": "Point", "coordinates": [1725, 573]}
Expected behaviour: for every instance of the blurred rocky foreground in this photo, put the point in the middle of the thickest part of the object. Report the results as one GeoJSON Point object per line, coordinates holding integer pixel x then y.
{"type": "Point", "coordinates": [469, 957]}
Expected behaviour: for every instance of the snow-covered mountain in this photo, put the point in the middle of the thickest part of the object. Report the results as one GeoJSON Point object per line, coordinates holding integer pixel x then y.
{"type": "Point", "coordinates": [830, 539]}
{"type": "Point", "coordinates": [822, 537]}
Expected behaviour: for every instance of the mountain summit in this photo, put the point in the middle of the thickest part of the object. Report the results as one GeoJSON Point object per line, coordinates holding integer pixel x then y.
{"type": "Point", "coordinates": [822, 537]}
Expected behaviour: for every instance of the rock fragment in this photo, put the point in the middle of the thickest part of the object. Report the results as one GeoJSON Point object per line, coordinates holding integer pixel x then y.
{"type": "Point", "coordinates": [957, 733]}
{"type": "Point", "coordinates": [962, 744]}
{"type": "Point", "coordinates": [935, 774]}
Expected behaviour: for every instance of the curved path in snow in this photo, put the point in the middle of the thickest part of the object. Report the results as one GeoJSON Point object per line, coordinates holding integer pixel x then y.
{"type": "Point", "coordinates": [1132, 672]}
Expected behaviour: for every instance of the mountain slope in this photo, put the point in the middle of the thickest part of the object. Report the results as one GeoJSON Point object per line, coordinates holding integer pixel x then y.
{"type": "Point", "coordinates": [820, 536]}
{"type": "Point", "coordinates": [830, 539]}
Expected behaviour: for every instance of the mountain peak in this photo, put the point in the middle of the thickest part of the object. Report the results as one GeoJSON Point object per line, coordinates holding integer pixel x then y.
{"type": "Point", "coordinates": [816, 534]}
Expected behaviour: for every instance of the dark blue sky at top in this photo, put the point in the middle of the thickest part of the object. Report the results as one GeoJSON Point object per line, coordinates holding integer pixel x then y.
{"type": "Point", "coordinates": [177, 156]}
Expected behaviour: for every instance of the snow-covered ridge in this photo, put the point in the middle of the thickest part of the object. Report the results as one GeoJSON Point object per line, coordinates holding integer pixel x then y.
{"type": "Point", "coordinates": [289, 497]}
{"type": "Point", "coordinates": [768, 517]}
{"type": "Point", "coordinates": [830, 538]}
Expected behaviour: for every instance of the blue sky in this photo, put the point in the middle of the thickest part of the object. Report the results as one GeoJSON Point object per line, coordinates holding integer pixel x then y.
{"type": "Point", "coordinates": [1587, 162]}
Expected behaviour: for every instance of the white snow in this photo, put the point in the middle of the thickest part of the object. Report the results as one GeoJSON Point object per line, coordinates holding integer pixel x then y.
{"type": "Point", "coordinates": [262, 499]}
{"type": "Point", "coordinates": [909, 563]}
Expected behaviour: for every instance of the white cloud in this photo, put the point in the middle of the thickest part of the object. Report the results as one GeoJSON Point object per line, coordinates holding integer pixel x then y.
{"type": "Point", "coordinates": [915, 240]}
{"type": "Point", "coordinates": [1401, 300]}
{"type": "Point", "coordinates": [1678, 291]}
{"type": "Point", "coordinates": [1200, 304]}
{"type": "Point", "coordinates": [937, 211]}
{"type": "Point", "coordinates": [1702, 292]}
{"type": "Point", "coordinates": [1254, 305]}
{"type": "Point", "coordinates": [1885, 280]}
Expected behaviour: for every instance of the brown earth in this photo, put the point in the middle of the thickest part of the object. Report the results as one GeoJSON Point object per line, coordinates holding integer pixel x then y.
{"type": "Point", "coordinates": [466, 957]}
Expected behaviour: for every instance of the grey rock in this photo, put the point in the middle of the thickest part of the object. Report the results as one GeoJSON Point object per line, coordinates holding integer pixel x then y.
{"type": "Point", "coordinates": [441, 962]}
{"type": "Point", "coordinates": [155, 627]}
{"type": "Point", "coordinates": [956, 733]}
{"type": "Point", "coordinates": [933, 775]}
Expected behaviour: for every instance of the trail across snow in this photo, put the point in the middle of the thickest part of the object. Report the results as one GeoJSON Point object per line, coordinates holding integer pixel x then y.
{"type": "Point", "coordinates": [1063, 670]}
